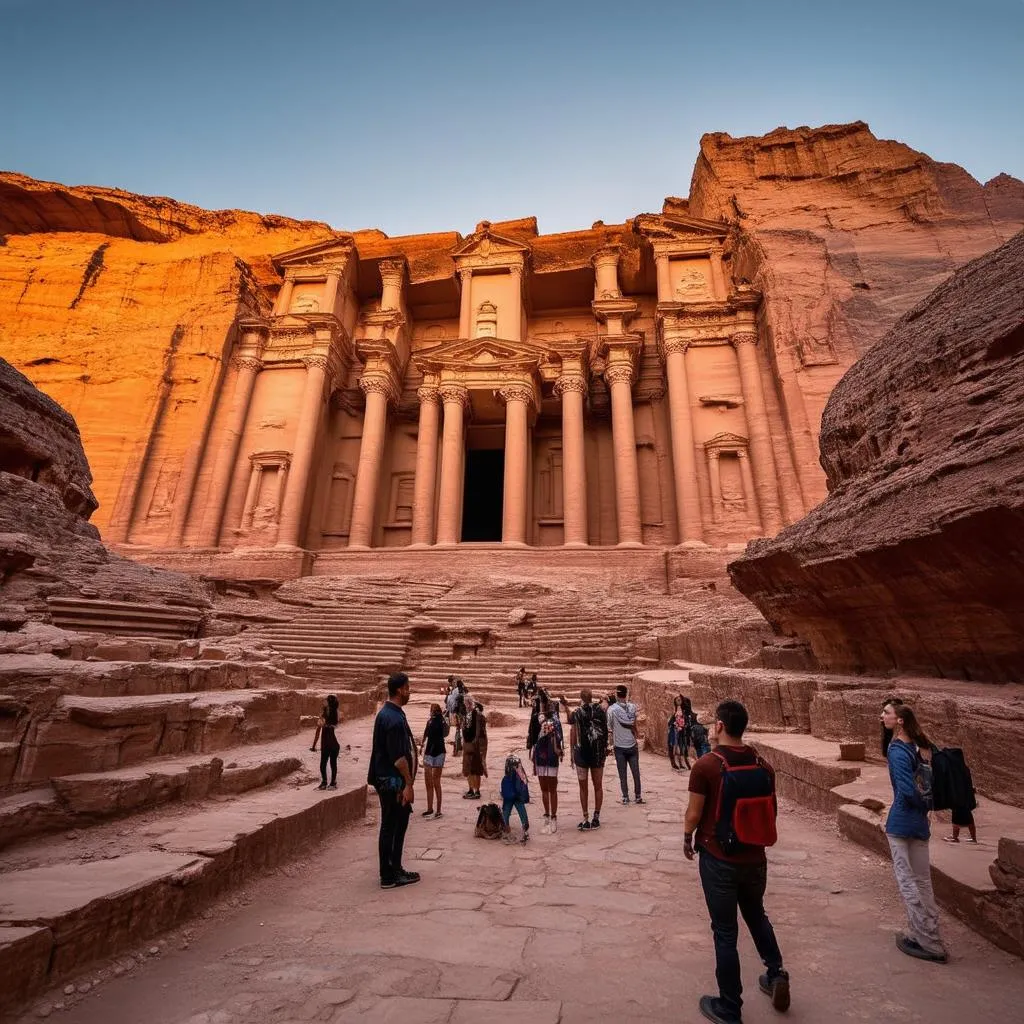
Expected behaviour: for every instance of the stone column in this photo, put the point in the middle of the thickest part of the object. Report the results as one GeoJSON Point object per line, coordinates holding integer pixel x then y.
{"type": "Point", "coordinates": [684, 461]}
{"type": "Point", "coordinates": [284, 297]}
{"type": "Point", "coordinates": [426, 467]}
{"type": "Point", "coordinates": [255, 474]}
{"type": "Point", "coordinates": [449, 517]}
{"type": "Point", "coordinates": [748, 487]}
{"type": "Point", "coordinates": [227, 454]}
{"type": "Point", "coordinates": [606, 273]}
{"type": "Point", "coordinates": [573, 388]}
{"type": "Point", "coordinates": [664, 279]}
{"type": "Point", "coordinates": [331, 290]}
{"type": "Point", "coordinates": [379, 392]}
{"type": "Point", "coordinates": [761, 453]}
{"type": "Point", "coordinates": [627, 476]}
{"type": "Point", "coordinates": [715, 476]}
{"type": "Point", "coordinates": [518, 398]}
{"type": "Point", "coordinates": [293, 507]}
{"type": "Point", "coordinates": [466, 304]}
{"type": "Point", "coordinates": [391, 275]}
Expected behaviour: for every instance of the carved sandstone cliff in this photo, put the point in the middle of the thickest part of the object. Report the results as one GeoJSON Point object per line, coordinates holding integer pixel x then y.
{"type": "Point", "coordinates": [843, 233]}
{"type": "Point", "coordinates": [916, 559]}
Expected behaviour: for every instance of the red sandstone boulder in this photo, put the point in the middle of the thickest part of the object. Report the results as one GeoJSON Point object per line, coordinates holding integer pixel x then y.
{"type": "Point", "coordinates": [916, 559]}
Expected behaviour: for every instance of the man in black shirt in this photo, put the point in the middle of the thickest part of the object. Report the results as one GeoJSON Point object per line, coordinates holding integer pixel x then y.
{"type": "Point", "coordinates": [392, 770]}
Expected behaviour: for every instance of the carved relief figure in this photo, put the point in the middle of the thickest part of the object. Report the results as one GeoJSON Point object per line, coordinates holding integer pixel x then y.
{"type": "Point", "coordinates": [692, 285]}
{"type": "Point", "coordinates": [487, 320]}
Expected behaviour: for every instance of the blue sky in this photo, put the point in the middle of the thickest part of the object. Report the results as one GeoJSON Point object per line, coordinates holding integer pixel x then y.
{"type": "Point", "coordinates": [419, 116]}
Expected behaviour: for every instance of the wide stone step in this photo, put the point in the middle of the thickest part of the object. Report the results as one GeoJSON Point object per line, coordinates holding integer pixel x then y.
{"type": "Point", "coordinates": [57, 919]}
{"type": "Point", "coordinates": [124, 617]}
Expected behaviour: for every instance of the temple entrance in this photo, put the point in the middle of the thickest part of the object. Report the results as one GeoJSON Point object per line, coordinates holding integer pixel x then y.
{"type": "Point", "coordinates": [482, 494]}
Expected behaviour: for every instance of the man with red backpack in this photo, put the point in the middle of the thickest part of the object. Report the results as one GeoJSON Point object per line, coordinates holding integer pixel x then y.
{"type": "Point", "coordinates": [730, 819]}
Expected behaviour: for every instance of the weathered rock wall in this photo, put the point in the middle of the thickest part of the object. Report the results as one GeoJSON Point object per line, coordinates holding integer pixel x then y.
{"type": "Point", "coordinates": [842, 233]}
{"type": "Point", "coordinates": [916, 560]}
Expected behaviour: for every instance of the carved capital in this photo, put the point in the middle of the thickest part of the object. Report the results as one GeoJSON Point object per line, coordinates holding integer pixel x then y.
{"type": "Point", "coordinates": [393, 267]}
{"type": "Point", "coordinates": [428, 393]}
{"type": "Point", "coordinates": [253, 363]}
{"type": "Point", "coordinates": [465, 273]}
{"type": "Point", "coordinates": [378, 383]}
{"type": "Point", "coordinates": [320, 362]}
{"type": "Point", "coordinates": [454, 394]}
{"type": "Point", "coordinates": [571, 382]}
{"type": "Point", "coordinates": [744, 338]}
{"type": "Point", "coordinates": [675, 344]}
{"type": "Point", "coordinates": [516, 393]}
{"type": "Point", "coordinates": [621, 373]}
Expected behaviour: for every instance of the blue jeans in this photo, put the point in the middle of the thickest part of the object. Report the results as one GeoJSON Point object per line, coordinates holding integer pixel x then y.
{"type": "Point", "coordinates": [628, 756]}
{"type": "Point", "coordinates": [727, 887]}
{"type": "Point", "coordinates": [520, 807]}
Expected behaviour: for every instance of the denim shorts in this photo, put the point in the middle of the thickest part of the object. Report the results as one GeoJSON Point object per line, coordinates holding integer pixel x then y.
{"type": "Point", "coordinates": [433, 760]}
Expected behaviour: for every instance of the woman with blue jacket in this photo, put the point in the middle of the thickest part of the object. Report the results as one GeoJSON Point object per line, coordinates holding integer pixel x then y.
{"type": "Point", "coordinates": [909, 757]}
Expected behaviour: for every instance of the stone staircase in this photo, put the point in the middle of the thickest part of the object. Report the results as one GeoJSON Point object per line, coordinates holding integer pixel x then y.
{"type": "Point", "coordinates": [364, 632]}
{"type": "Point", "coordinates": [125, 618]}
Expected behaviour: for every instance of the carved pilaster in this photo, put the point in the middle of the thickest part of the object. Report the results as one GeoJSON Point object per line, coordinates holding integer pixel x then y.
{"type": "Point", "coordinates": [245, 362]}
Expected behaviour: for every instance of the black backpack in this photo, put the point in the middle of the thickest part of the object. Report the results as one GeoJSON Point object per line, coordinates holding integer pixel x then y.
{"type": "Point", "coordinates": [469, 729]}
{"type": "Point", "coordinates": [593, 731]}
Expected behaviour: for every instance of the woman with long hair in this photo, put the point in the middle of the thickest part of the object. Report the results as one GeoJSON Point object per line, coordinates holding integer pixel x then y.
{"type": "Point", "coordinates": [434, 750]}
{"type": "Point", "coordinates": [909, 757]}
{"type": "Point", "coordinates": [329, 745]}
{"type": "Point", "coordinates": [679, 738]}
{"type": "Point", "coordinates": [546, 753]}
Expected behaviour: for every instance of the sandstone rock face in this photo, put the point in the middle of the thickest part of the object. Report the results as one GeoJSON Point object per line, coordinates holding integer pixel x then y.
{"type": "Point", "coordinates": [47, 545]}
{"type": "Point", "coordinates": [916, 560]}
{"type": "Point", "coordinates": [842, 233]}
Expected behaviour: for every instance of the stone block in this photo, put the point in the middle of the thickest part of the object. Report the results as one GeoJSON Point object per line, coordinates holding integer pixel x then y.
{"type": "Point", "coordinates": [24, 962]}
{"type": "Point", "coordinates": [851, 752]}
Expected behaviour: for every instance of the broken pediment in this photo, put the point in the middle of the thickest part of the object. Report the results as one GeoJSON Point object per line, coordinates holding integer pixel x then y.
{"type": "Point", "coordinates": [681, 228]}
{"type": "Point", "coordinates": [330, 252]}
{"type": "Point", "coordinates": [486, 244]}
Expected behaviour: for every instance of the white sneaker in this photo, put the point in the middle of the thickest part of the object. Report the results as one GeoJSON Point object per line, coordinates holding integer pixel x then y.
{"type": "Point", "coordinates": [554, 826]}
{"type": "Point", "coordinates": [546, 827]}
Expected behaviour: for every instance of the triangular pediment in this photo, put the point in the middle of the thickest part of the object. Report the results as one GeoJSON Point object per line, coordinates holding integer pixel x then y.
{"type": "Point", "coordinates": [330, 250]}
{"type": "Point", "coordinates": [726, 441]}
{"type": "Point", "coordinates": [483, 353]}
{"type": "Point", "coordinates": [488, 243]}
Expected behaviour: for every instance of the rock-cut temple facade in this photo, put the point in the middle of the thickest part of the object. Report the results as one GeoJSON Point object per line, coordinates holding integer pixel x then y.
{"type": "Point", "coordinates": [608, 387]}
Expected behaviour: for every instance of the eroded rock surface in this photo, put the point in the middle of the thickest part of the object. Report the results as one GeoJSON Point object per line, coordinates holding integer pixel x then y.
{"type": "Point", "coordinates": [916, 559]}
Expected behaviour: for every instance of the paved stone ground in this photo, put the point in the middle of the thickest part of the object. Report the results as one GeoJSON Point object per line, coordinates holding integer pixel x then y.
{"type": "Point", "coordinates": [571, 928]}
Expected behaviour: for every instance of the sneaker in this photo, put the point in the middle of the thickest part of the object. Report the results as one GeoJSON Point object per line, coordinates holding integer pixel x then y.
{"type": "Point", "coordinates": [584, 825]}
{"type": "Point", "coordinates": [911, 947]}
{"type": "Point", "coordinates": [407, 877]}
{"type": "Point", "coordinates": [428, 812]}
{"type": "Point", "coordinates": [777, 987]}
{"type": "Point", "coordinates": [554, 826]}
{"type": "Point", "coordinates": [596, 822]}
{"type": "Point", "coordinates": [639, 800]}
{"type": "Point", "coordinates": [526, 837]}
{"type": "Point", "coordinates": [323, 785]}
{"type": "Point", "coordinates": [545, 827]}
{"type": "Point", "coordinates": [625, 799]}
{"type": "Point", "coordinates": [388, 883]}
{"type": "Point", "coordinates": [437, 815]}
{"type": "Point", "coordinates": [469, 795]}
{"type": "Point", "coordinates": [333, 785]}
{"type": "Point", "coordinates": [950, 839]}
{"type": "Point", "coordinates": [476, 795]}
{"type": "Point", "coordinates": [712, 1008]}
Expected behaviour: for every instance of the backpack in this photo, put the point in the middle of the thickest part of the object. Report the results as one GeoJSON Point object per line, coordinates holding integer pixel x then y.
{"type": "Point", "coordinates": [593, 733]}
{"type": "Point", "coordinates": [489, 823]}
{"type": "Point", "coordinates": [952, 785]}
{"type": "Point", "coordinates": [924, 776]}
{"type": "Point", "coordinates": [469, 729]}
{"type": "Point", "coordinates": [746, 810]}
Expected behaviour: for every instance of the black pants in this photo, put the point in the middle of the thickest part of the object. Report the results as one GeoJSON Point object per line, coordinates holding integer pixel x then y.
{"type": "Point", "coordinates": [628, 756]}
{"type": "Point", "coordinates": [726, 888]}
{"type": "Point", "coordinates": [329, 753]}
{"type": "Point", "coordinates": [394, 820]}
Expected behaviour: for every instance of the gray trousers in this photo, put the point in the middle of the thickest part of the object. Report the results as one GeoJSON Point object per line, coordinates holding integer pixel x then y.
{"type": "Point", "coordinates": [914, 881]}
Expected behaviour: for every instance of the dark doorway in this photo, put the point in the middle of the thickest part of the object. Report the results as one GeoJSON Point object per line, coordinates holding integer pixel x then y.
{"type": "Point", "coordinates": [481, 500]}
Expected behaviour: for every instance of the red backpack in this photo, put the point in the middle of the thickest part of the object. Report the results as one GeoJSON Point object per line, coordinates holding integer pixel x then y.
{"type": "Point", "coordinates": [746, 810]}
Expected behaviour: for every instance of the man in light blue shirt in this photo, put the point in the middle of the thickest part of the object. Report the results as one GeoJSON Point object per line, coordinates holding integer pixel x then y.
{"type": "Point", "coordinates": [622, 719]}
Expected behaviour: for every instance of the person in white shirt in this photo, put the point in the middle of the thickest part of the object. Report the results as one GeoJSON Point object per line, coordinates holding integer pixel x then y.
{"type": "Point", "coordinates": [622, 719]}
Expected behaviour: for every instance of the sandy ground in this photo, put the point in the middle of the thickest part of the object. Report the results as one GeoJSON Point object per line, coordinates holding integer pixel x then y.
{"type": "Point", "coordinates": [571, 928]}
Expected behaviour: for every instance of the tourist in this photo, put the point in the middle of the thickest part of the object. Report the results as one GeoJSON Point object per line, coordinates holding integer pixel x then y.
{"type": "Point", "coordinates": [699, 738]}
{"type": "Point", "coordinates": [734, 874]}
{"type": "Point", "coordinates": [622, 719]}
{"type": "Point", "coordinates": [392, 771]}
{"type": "Point", "coordinates": [588, 740]}
{"type": "Point", "coordinates": [458, 713]}
{"type": "Point", "coordinates": [330, 748]}
{"type": "Point", "coordinates": [521, 684]}
{"type": "Point", "coordinates": [515, 795]}
{"type": "Point", "coordinates": [474, 749]}
{"type": "Point", "coordinates": [906, 827]}
{"type": "Point", "coordinates": [532, 685]}
{"type": "Point", "coordinates": [887, 733]}
{"type": "Point", "coordinates": [546, 751]}
{"type": "Point", "coordinates": [679, 731]}
{"type": "Point", "coordinates": [434, 749]}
